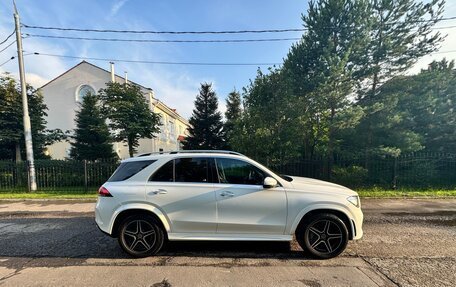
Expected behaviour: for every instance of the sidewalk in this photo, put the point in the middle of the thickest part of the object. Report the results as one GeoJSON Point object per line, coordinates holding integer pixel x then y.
{"type": "Point", "coordinates": [46, 206]}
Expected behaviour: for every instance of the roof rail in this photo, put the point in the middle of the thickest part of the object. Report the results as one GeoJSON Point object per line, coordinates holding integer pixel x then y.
{"type": "Point", "coordinates": [190, 151]}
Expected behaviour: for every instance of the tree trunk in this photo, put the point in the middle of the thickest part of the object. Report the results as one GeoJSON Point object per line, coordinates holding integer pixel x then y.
{"type": "Point", "coordinates": [370, 134]}
{"type": "Point", "coordinates": [130, 146]}
{"type": "Point", "coordinates": [18, 152]}
{"type": "Point", "coordinates": [330, 155]}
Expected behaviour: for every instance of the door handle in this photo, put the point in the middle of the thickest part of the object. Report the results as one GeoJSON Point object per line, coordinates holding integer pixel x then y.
{"type": "Point", "coordinates": [227, 194]}
{"type": "Point", "coordinates": [159, 191]}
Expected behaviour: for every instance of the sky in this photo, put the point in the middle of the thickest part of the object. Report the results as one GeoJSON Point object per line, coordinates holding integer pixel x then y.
{"type": "Point", "coordinates": [176, 85]}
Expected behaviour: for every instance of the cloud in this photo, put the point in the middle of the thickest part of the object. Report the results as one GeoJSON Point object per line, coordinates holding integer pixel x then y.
{"type": "Point", "coordinates": [35, 80]}
{"type": "Point", "coordinates": [116, 7]}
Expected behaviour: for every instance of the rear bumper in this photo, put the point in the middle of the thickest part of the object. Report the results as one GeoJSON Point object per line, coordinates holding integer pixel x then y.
{"type": "Point", "coordinates": [102, 216]}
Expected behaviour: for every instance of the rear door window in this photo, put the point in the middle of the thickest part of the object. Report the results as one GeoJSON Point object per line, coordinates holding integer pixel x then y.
{"type": "Point", "coordinates": [164, 173]}
{"type": "Point", "coordinates": [129, 169]}
{"type": "Point", "coordinates": [192, 170]}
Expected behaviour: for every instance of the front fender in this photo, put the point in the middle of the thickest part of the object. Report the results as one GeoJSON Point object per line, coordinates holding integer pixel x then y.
{"type": "Point", "coordinates": [291, 228]}
{"type": "Point", "coordinates": [143, 206]}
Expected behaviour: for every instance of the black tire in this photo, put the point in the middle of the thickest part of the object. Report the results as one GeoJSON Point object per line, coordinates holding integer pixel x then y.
{"type": "Point", "coordinates": [141, 235]}
{"type": "Point", "coordinates": [322, 235]}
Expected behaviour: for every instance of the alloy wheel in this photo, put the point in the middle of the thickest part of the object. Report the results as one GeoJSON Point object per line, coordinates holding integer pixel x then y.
{"type": "Point", "coordinates": [139, 236]}
{"type": "Point", "coordinates": [325, 236]}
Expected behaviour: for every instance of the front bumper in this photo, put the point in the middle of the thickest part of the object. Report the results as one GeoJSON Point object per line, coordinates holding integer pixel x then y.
{"type": "Point", "coordinates": [357, 223]}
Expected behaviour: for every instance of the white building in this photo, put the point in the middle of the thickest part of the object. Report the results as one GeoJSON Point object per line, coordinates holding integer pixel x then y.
{"type": "Point", "coordinates": [63, 94]}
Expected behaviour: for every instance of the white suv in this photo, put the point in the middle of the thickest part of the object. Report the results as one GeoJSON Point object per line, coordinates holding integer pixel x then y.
{"type": "Point", "coordinates": [222, 195]}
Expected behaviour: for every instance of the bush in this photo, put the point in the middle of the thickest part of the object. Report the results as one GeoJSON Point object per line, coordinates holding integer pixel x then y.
{"type": "Point", "coordinates": [352, 176]}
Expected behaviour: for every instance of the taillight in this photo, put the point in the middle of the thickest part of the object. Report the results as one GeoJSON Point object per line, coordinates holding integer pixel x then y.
{"type": "Point", "coordinates": [104, 192]}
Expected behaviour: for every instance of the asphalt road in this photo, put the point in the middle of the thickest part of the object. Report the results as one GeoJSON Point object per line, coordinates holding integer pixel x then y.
{"type": "Point", "coordinates": [56, 243]}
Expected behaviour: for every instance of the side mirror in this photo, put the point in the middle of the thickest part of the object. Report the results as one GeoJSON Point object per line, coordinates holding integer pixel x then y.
{"type": "Point", "coordinates": [269, 182]}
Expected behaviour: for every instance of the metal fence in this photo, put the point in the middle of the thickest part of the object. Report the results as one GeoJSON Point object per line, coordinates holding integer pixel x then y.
{"type": "Point", "coordinates": [419, 170]}
{"type": "Point", "coordinates": [57, 175]}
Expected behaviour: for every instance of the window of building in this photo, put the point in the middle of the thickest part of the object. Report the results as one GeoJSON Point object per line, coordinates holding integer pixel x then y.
{"type": "Point", "coordinates": [235, 171]}
{"type": "Point", "coordinates": [162, 128]}
{"type": "Point", "coordinates": [172, 130]}
{"type": "Point", "coordinates": [82, 91]}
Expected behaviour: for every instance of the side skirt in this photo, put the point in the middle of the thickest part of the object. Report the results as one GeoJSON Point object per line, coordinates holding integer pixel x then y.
{"type": "Point", "coordinates": [228, 237]}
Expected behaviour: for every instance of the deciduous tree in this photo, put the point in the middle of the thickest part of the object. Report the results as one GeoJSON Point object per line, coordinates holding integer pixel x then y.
{"type": "Point", "coordinates": [12, 144]}
{"type": "Point", "coordinates": [129, 115]}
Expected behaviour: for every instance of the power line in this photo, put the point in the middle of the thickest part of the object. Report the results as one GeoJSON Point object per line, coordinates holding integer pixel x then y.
{"type": "Point", "coordinates": [169, 63]}
{"type": "Point", "coordinates": [163, 41]}
{"type": "Point", "coordinates": [164, 32]}
{"type": "Point", "coordinates": [8, 46]}
{"type": "Point", "coordinates": [156, 62]}
{"type": "Point", "coordinates": [180, 41]}
{"type": "Point", "coordinates": [207, 32]}
{"type": "Point", "coordinates": [7, 38]}
{"type": "Point", "coordinates": [7, 61]}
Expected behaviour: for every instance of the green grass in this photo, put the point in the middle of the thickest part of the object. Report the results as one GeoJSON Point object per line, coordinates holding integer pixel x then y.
{"type": "Point", "coordinates": [405, 193]}
{"type": "Point", "coordinates": [54, 194]}
{"type": "Point", "coordinates": [365, 193]}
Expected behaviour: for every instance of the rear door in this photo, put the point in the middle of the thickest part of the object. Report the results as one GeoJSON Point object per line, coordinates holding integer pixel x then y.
{"type": "Point", "coordinates": [243, 205]}
{"type": "Point", "coordinates": [183, 189]}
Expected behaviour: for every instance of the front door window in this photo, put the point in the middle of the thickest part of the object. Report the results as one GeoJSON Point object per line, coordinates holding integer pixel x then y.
{"type": "Point", "coordinates": [235, 171]}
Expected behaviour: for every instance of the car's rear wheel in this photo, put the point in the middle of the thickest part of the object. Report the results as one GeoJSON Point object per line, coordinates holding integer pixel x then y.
{"type": "Point", "coordinates": [140, 235]}
{"type": "Point", "coordinates": [323, 235]}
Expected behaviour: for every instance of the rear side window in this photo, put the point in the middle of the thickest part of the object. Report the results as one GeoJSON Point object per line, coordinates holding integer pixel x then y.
{"type": "Point", "coordinates": [192, 170]}
{"type": "Point", "coordinates": [129, 169]}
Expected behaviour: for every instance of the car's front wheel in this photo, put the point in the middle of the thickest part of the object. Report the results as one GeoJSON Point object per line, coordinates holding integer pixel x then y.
{"type": "Point", "coordinates": [140, 236]}
{"type": "Point", "coordinates": [323, 235]}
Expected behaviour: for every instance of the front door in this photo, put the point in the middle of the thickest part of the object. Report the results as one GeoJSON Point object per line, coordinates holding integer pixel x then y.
{"type": "Point", "coordinates": [243, 205]}
{"type": "Point", "coordinates": [183, 190]}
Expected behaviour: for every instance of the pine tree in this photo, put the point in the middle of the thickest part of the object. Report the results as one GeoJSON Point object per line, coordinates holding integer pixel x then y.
{"type": "Point", "coordinates": [401, 34]}
{"type": "Point", "coordinates": [92, 140]}
{"type": "Point", "coordinates": [232, 115]}
{"type": "Point", "coordinates": [323, 69]}
{"type": "Point", "coordinates": [267, 130]}
{"type": "Point", "coordinates": [206, 122]}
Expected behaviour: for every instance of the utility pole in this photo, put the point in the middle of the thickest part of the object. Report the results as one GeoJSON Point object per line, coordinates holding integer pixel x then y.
{"type": "Point", "coordinates": [27, 126]}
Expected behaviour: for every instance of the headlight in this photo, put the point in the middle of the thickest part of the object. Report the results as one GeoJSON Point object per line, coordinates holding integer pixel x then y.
{"type": "Point", "coordinates": [354, 199]}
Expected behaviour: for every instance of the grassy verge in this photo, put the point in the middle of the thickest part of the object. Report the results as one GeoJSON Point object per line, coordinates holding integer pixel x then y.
{"type": "Point", "coordinates": [382, 193]}
{"type": "Point", "coordinates": [47, 195]}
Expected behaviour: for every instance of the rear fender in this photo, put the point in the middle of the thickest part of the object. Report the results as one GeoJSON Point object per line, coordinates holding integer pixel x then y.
{"type": "Point", "coordinates": [143, 206]}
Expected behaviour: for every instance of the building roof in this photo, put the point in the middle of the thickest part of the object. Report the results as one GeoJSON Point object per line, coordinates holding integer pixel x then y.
{"type": "Point", "coordinates": [95, 66]}
{"type": "Point", "coordinates": [166, 107]}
